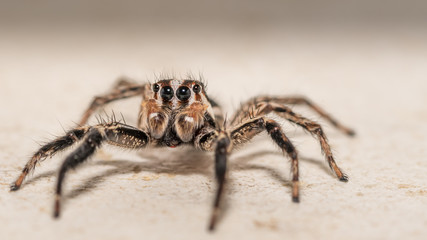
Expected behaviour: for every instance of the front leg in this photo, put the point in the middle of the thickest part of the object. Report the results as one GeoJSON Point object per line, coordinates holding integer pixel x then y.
{"type": "Point", "coordinates": [117, 134]}
{"type": "Point", "coordinates": [220, 142]}
{"type": "Point", "coordinates": [222, 149]}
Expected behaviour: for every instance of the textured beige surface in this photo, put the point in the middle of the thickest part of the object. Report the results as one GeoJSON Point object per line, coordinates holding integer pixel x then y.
{"type": "Point", "coordinates": [372, 80]}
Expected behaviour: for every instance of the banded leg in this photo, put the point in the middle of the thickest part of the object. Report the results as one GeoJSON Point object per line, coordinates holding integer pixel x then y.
{"type": "Point", "coordinates": [251, 107]}
{"type": "Point", "coordinates": [49, 150]}
{"type": "Point", "coordinates": [313, 128]}
{"type": "Point", "coordinates": [314, 107]}
{"type": "Point", "coordinates": [246, 131]}
{"type": "Point", "coordinates": [223, 147]}
{"type": "Point", "coordinates": [122, 89]}
{"type": "Point", "coordinates": [116, 134]}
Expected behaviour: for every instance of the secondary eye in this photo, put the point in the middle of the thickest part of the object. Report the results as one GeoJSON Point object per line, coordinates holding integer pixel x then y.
{"type": "Point", "coordinates": [196, 88]}
{"type": "Point", "coordinates": [183, 93]}
{"type": "Point", "coordinates": [166, 93]}
{"type": "Point", "coordinates": [156, 87]}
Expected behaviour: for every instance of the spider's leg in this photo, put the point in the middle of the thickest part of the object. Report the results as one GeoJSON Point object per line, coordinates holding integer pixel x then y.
{"type": "Point", "coordinates": [123, 82]}
{"type": "Point", "coordinates": [122, 89]}
{"type": "Point", "coordinates": [220, 142]}
{"type": "Point", "coordinates": [115, 133]}
{"type": "Point", "coordinates": [217, 112]}
{"type": "Point", "coordinates": [314, 107]}
{"type": "Point", "coordinates": [222, 149]}
{"type": "Point", "coordinates": [313, 128]}
{"type": "Point", "coordinates": [294, 100]}
{"type": "Point", "coordinates": [49, 150]}
{"type": "Point", "coordinates": [246, 131]}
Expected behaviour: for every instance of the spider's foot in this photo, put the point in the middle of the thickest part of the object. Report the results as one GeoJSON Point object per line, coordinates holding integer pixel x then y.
{"type": "Point", "coordinates": [295, 199]}
{"type": "Point", "coordinates": [213, 219]}
{"type": "Point", "coordinates": [350, 132]}
{"type": "Point", "coordinates": [344, 178]}
{"type": "Point", "coordinates": [57, 207]}
{"type": "Point", "coordinates": [14, 187]}
{"type": "Point", "coordinates": [295, 191]}
{"type": "Point", "coordinates": [17, 184]}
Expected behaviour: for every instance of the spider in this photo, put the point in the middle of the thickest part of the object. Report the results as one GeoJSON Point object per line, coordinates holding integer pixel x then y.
{"type": "Point", "coordinates": [174, 112]}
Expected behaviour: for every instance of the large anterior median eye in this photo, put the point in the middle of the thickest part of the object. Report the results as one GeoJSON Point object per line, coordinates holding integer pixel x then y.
{"type": "Point", "coordinates": [183, 93]}
{"type": "Point", "coordinates": [166, 93]}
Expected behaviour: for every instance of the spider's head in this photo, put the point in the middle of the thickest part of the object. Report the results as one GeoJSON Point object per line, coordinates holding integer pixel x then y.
{"type": "Point", "coordinates": [179, 106]}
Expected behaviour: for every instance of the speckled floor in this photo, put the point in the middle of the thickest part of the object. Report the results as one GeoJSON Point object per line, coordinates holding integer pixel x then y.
{"type": "Point", "coordinates": [372, 81]}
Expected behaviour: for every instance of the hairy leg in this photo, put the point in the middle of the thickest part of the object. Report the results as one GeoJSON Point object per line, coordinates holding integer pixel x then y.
{"type": "Point", "coordinates": [123, 89]}
{"type": "Point", "coordinates": [263, 108]}
{"type": "Point", "coordinates": [49, 150]}
{"type": "Point", "coordinates": [115, 133]}
{"type": "Point", "coordinates": [246, 131]}
{"type": "Point", "coordinates": [311, 126]}
{"type": "Point", "coordinates": [250, 107]}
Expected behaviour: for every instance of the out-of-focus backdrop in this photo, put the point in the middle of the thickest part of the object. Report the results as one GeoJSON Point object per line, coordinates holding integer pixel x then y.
{"type": "Point", "coordinates": [365, 62]}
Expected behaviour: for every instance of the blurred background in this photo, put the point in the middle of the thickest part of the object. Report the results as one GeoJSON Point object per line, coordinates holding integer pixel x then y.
{"type": "Point", "coordinates": [364, 61]}
{"type": "Point", "coordinates": [303, 43]}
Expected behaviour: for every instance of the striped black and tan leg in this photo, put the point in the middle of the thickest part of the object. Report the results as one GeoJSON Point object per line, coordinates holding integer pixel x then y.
{"type": "Point", "coordinates": [313, 128]}
{"type": "Point", "coordinates": [116, 134]}
{"type": "Point", "coordinates": [253, 107]}
{"type": "Point", "coordinates": [299, 100]}
{"type": "Point", "coordinates": [49, 150]}
{"type": "Point", "coordinates": [246, 131]}
{"type": "Point", "coordinates": [123, 89]}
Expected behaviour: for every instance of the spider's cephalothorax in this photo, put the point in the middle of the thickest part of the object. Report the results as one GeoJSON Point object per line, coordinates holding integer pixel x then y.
{"type": "Point", "coordinates": [175, 112]}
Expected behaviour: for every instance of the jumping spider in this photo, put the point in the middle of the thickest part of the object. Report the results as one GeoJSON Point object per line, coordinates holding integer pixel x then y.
{"type": "Point", "coordinates": [175, 112]}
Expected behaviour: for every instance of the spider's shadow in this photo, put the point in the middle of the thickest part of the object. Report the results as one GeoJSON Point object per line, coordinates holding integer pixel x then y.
{"type": "Point", "coordinates": [244, 163]}
{"type": "Point", "coordinates": [186, 162]}
{"type": "Point", "coordinates": [180, 162]}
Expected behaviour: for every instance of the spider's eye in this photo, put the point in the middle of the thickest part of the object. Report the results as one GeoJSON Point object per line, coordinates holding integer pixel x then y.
{"type": "Point", "coordinates": [196, 88]}
{"type": "Point", "coordinates": [166, 93]}
{"type": "Point", "coordinates": [156, 87]}
{"type": "Point", "coordinates": [183, 93]}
